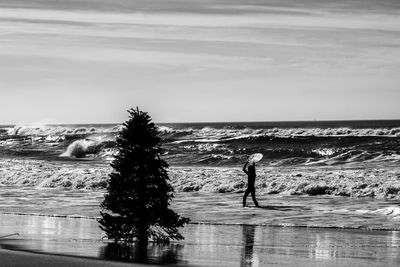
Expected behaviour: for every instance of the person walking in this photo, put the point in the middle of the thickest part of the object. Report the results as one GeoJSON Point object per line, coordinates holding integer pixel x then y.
{"type": "Point", "coordinates": [251, 174]}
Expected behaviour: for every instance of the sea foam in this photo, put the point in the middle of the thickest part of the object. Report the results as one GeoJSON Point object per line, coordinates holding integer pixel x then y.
{"type": "Point", "coordinates": [366, 182]}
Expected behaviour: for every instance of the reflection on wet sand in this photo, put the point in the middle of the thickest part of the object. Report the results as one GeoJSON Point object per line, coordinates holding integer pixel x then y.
{"type": "Point", "coordinates": [156, 254]}
{"type": "Point", "coordinates": [210, 245]}
{"type": "Point", "coordinates": [247, 252]}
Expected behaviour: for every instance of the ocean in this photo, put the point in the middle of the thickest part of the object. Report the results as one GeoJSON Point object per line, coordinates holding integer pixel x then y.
{"type": "Point", "coordinates": [346, 173]}
{"type": "Point", "coordinates": [218, 144]}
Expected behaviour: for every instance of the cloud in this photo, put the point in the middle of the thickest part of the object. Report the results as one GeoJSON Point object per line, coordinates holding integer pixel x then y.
{"type": "Point", "coordinates": [166, 48]}
{"type": "Point", "coordinates": [329, 20]}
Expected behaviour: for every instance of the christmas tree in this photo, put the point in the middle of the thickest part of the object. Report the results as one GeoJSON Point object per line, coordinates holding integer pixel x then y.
{"type": "Point", "coordinates": [136, 205]}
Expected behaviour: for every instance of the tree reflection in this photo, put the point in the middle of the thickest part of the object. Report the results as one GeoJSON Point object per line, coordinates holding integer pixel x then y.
{"type": "Point", "coordinates": [157, 254]}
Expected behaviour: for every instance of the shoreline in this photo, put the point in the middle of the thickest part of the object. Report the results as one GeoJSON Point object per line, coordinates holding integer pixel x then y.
{"type": "Point", "coordinates": [216, 223]}
{"type": "Point", "coordinates": [219, 208]}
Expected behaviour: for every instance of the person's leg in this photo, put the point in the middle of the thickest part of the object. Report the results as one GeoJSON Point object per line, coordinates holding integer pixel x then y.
{"type": "Point", "coordinates": [253, 196]}
{"type": "Point", "coordinates": [245, 196]}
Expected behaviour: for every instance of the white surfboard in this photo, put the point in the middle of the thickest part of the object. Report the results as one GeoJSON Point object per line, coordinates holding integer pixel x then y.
{"type": "Point", "coordinates": [255, 157]}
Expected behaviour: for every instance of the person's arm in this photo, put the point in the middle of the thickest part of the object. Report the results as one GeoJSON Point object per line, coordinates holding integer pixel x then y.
{"type": "Point", "coordinates": [244, 168]}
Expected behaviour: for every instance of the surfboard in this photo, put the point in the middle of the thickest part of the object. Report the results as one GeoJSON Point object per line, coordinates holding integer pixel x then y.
{"type": "Point", "coordinates": [255, 157]}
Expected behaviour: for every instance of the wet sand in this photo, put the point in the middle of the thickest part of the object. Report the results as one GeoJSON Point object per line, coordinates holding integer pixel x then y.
{"type": "Point", "coordinates": [286, 231]}
{"type": "Point", "coordinates": [204, 245]}
{"type": "Point", "coordinates": [20, 258]}
{"type": "Point", "coordinates": [220, 208]}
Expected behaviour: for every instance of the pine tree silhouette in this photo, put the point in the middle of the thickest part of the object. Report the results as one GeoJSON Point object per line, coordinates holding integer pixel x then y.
{"type": "Point", "coordinates": [138, 193]}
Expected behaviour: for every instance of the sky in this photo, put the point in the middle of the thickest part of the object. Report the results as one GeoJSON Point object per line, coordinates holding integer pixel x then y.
{"type": "Point", "coordinates": [88, 61]}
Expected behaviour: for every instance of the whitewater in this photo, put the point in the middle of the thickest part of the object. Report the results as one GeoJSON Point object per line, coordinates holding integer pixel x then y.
{"type": "Point", "coordinates": [339, 169]}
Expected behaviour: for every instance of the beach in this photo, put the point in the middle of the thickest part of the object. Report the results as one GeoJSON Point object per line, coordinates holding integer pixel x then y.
{"type": "Point", "coordinates": [204, 245]}
{"type": "Point", "coordinates": [285, 231]}
{"type": "Point", "coordinates": [18, 258]}
{"type": "Point", "coordinates": [309, 86]}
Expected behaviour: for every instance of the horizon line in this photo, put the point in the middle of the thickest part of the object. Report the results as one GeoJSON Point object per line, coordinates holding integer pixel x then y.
{"type": "Point", "coordinates": [211, 122]}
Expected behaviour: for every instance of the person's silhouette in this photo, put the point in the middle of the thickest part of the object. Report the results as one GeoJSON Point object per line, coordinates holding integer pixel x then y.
{"type": "Point", "coordinates": [251, 174]}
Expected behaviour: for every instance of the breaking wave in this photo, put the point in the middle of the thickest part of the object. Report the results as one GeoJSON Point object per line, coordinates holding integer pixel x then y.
{"type": "Point", "coordinates": [102, 146]}
{"type": "Point", "coordinates": [366, 182]}
{"type": "Point", "coordinates": [217, 144]}
{"type": "Point", "coordinates": [80, 148]}
{"type": "Point", "coordinates": [228, 133]}
{"type": "Point", "coordinates": [58, 130]}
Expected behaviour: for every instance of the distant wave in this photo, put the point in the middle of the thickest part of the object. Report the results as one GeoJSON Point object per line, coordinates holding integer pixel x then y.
{"type": "Point", "coordinates": [48, 130]}
{"type": "Point", "coordinates": [224, 145]}
{"type": "Point", "coordinates": [229, 133]}
{"type": "Point", "coordinates": [204, 132]}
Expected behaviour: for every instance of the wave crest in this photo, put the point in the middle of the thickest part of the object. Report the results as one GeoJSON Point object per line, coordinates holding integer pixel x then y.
{"type": "Point", "coordinates": [80, 148]}
{"type": "Point", "coordinates": [57, 130]}
{"type": "Point", "coordinates": [227, 134]}
{"type": "Point", "coordinates": [97, 145]}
